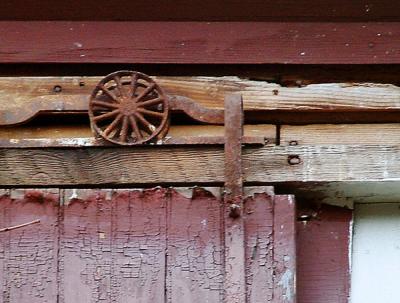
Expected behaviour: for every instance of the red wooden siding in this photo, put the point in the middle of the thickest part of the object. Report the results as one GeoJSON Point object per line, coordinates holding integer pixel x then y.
{"type": "Point", "coordinates": [157, 245]}
{"type": "Point", "coordinates": [29, 255]}
{"type": "Point", "coordinates": [226, 10]}
{"type": "Point", "coordinates": [200, 42]}
{"type": "Point", "coordinates": [323, 255]}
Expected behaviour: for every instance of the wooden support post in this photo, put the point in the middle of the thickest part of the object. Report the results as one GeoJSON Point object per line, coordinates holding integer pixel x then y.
{"type": "Point", "coordinates": [235, 284]}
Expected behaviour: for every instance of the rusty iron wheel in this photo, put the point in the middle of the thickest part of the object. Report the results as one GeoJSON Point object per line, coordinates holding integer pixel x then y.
{"type": "Point", "coordinates": [128, 108]}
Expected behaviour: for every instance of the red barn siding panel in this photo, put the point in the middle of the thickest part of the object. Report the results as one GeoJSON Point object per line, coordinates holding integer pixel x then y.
{"type": "Point", "coordinates": [30, 253]}
{"type": "Point", "coordinates": [85, 252]}
{"type": "Point", "coordinates": [195, 247]}
{"type": "Point", "coordinates": [200, 42]}
{"type": "Point", "coordinates": [224, 10]}
{"type": "Point", "coordinates": [139, 246]}
{"type": "Point", "coordinates": [323, 255]}
{"type": "Point", "coordinates": [284, 249]}
{"type": "Point", "coordinates": [259, 247]}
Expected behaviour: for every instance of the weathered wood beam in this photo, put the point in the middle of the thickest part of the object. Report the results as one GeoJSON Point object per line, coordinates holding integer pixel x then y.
{"type": "Point", "coordinates": [144, 166]}
{"type": "Point", "coordinates": [207, 10]}
{"type": "Point", "coordinates": [341, 134]}
{"type": "Point", "coordinates": [199, 42]}
{"type": "Point", "coordinates": [30, 95]}
{"type": "Point", "coordinates": [82, 136]}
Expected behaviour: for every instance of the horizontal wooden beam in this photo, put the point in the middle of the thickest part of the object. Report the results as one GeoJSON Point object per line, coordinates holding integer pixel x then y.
{"type": "Point", "coordinates": [82, 136]}
{"type": "Point", "coordinates": [199, 42]}
{"type": "Point", "coordinates": [30, 95]}
{"type": "Point", "coordinates": [342, 134]}
{"type": "Point", "coordinates": [207, 10]}
{"type": "Point", "coordinates": [143, 166]}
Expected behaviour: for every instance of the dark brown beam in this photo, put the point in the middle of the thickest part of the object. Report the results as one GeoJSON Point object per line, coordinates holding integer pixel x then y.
{"type": "Point", "coordinates": [207, 10]}
{"type": "Point", "coordinates": [200, 42]}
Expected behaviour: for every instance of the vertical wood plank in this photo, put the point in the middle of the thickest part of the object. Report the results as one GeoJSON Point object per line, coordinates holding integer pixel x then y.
{"type": "Point", "coordinates": [195, 247]}
{"type": "Point", "coordinates": [284, 249]}
{"type": "Point", "coordinates": [4, 203]}
{"type": "Point", "coordinates": [323, 254]}
{"type": "Point", "coordinates": [85, 250]}
{"type": "Point", "coordinates": [29, 253]}
{"type": "Point", "coordinates": [139, 246]}
{"type": "Point", "coordinates": [258, 209]}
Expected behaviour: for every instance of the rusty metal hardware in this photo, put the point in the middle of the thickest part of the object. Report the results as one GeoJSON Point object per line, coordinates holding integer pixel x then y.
{"type": "Point", "coordinates": [128, 108]}
{"type": "Point", "coordinates": [233, 154]}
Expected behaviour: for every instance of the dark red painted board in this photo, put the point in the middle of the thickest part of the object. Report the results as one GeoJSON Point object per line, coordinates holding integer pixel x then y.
{"type": "Point", "coordinates": [285, 287]}
{"type": "Point", "coordinates": [178, 10]}
{"type": "Point", "coordinates": [200, 42]}
{"type": "Point", "coordinates": [323, 255]}
{"type": "Point", "coordinates": [29, 255]}
{"type": "Point", "coordinates": [259, 247]}
{"type": "Point", "coordinates": [195, 247]}
{"type": "Point", "coordinates": [154, 245]}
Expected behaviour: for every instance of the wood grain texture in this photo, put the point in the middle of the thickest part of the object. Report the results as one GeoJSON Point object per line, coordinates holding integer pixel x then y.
{"type": "Point", "coordinates": [199, 42]}
{"type": "Point", "coordinates": [285, 257]}
{"type": "Point", "coordinates": [226, 10]}
{"type": "Point", "coordinates": [147, 165]}
{"type": "Point", "coordinates": [195, 247]}
{"type": "Point", "coordinates": [259, 246]}
{"type": "Point", "coordinates": [29, 255]}
{"type": "Point", "coordinates": [323, 254]}
{"type": "Point", "coordinates": [82, 136]}
{"type": "Point", "coordinates": [31, 95]}
{"type": "Point", "coordinates": [345, 134]}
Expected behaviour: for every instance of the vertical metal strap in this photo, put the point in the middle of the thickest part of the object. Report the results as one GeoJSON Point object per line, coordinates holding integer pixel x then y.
{"type": "Point", "coordinates": [235, 282]}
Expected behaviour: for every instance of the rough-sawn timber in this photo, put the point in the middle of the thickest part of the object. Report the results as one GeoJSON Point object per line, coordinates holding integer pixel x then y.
{"type": "Point", "coordinates": [21, 98]}
{"type": "Point", "coordinates": [144, 166]}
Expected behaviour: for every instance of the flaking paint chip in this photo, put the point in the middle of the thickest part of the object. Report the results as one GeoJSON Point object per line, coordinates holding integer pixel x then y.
{"type": "Point", "coordinates": [102, 235]}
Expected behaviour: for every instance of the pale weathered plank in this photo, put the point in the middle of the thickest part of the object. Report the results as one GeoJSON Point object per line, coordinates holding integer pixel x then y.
{"type": "Point", "coordinates": [32, 94]}
{"type": "Point", "coordinates": [154, 165]}
{"type": "Point", "coordinates": [82, 136]}
{"type": "Point", "coordinates": [344, 134]}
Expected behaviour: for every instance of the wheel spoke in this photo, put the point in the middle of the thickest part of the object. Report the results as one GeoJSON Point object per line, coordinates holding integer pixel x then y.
{"type": "Point", "coordinates": [108, 92]}
{"type": "Point", "coordinates": [151, 102]}
{"type": "Point", "coordinates": [151, 113]}
{"type": "Point", "coordinates": [146, 91]}
{"type": "Point", "coordinates": [106, 115]}
{"type": "Point", "coordinates": [117, 80]}
{"type": "Point", "coordinates": [113, 125]}
{"type": "Point", "coordinates": [146, 123]}
{"type": "Point", "coordinates": [105, 104]}
{"type": "Point", "coordinates": [134, 84]}
{"type": "Point", "coordinates": [124, 130]}
{"type": "Point", "coordinates": [135, 127]}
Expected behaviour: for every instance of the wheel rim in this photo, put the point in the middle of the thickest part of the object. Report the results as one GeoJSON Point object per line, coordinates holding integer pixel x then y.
{"type": "Point", "coordinates": [128, 108]}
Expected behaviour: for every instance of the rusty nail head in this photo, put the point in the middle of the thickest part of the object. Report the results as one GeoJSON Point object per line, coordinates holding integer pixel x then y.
{"type": "Point", "coordinates": [294, 160]}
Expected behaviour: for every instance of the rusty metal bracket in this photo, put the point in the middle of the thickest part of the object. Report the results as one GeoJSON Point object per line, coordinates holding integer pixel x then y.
{"type": "Point", "coordinates": [233, 154]}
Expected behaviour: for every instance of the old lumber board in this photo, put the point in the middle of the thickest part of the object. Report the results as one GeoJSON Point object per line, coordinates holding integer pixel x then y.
{"type": "Point", "coordinates": [31, 95]}
{"type": "Point", "coordinates": [207, 10]}
{"type": "Point", "coordinates": [196, 165]}
{"type": "Point", "coordinates": [344, 134]}
{"type": "Point", "coordinates": [82, 136]}
{"type": "Point", "coordinates": [199, 42]}
{"type": "Point", "coordinates": [323, 244]}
